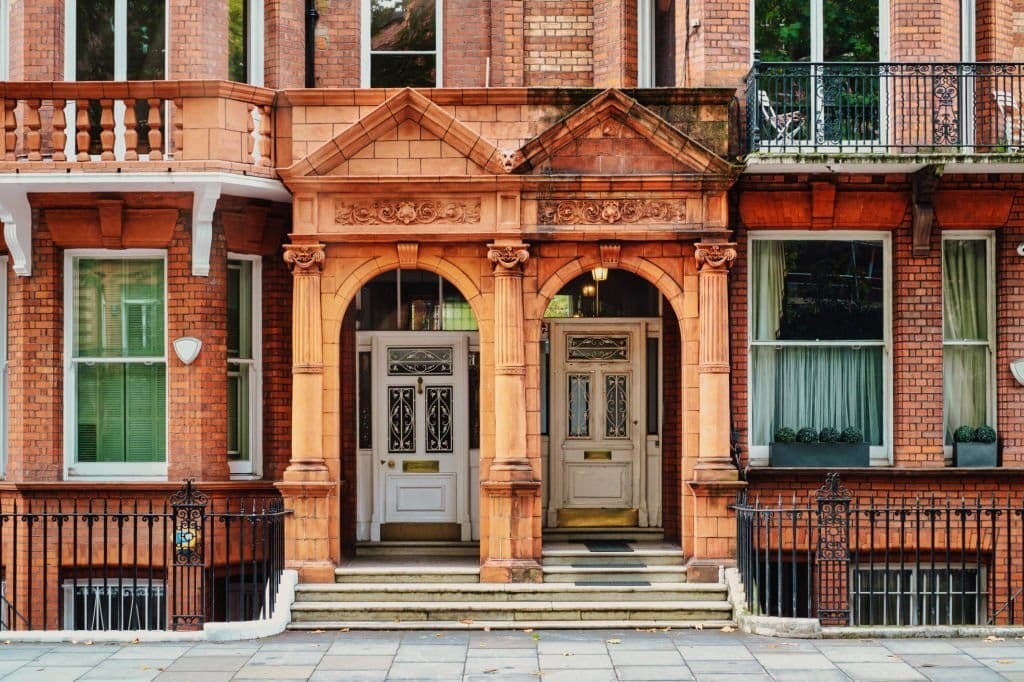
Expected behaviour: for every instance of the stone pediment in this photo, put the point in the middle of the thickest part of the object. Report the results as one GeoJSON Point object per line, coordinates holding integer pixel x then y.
{"type": "Point", "coordinates": [613, 134]}
{"type": "Point", "coordinates": [406, 135]}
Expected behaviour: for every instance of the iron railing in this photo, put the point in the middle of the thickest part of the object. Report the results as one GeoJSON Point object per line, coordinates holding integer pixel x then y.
{"type": "Point", "coordinates": [920, 561]}
{"type": "Point", "coordinates": [129, 564]}
{"type": "Point", "coordinates": [884, 108]}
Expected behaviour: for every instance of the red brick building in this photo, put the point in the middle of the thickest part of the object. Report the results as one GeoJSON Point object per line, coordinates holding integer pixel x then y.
{"type": "Point", "coordinates": [579, 275]}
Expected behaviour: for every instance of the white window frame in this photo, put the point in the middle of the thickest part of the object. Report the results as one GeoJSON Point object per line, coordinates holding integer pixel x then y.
{"type": "Point", "coordinates": [881, 455]}
{"type": "Point", "coordinates": [255, 42]}
{"type": "Point", "coordinates": [105, 470]}
{"type": "Point", "coordinates": [366, 52]}
{"type": "Point", "coordinates": [645, 43]}
{"type": "Point", "coordinates": [253, 467]}
{"type": "Point", "coordinates": [988, 236]}
{"type": "Point", "coordinates": [4, 363]}
{"type": "Point", "coordinates": [154, 590]}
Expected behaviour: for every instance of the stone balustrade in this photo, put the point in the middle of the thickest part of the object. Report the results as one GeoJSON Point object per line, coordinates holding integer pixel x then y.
{"type": "Point", "coordinates": [91, 125]}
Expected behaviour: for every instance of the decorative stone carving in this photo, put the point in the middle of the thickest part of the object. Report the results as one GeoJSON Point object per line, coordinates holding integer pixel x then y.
{"type": "Point", "coordinates": [715, 256]}
{"type": "Point", "coordinates": [302, 258]}
{"type": "Point", "coordinates": [609, 253]}
{"type": "Point", "coordinates": [510, 158]}
{"type": "Point", "coordinates": [408, 254]}
{"type": "Point", "coordinates": [610, 211]}
{"type": "Point", "coordinates": [406, 212]}
{"type": "Point", "coordinates": [508, 256]}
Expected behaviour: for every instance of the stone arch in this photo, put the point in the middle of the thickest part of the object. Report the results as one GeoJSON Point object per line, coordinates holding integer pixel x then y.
{"type": "Point", "coordinates": [658, 278]}
{"type": "Point", "coordinates": [336, 304]}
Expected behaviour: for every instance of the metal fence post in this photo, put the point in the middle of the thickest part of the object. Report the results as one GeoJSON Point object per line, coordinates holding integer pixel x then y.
{"type": "Point", "coordinates": [188, 560]}
{"type": "Point", "coordinates": [832, 577]}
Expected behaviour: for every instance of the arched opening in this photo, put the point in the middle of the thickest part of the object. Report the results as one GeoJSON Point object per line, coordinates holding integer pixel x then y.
{"type": "Point", "coordinates": [411, 411]}
{"type": "Point", "coordinates": [610, 404]}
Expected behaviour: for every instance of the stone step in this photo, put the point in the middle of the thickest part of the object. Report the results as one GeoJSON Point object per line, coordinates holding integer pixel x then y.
{"type": "Point", "coordinates": [577, 573]}
{"type": "Point", "coordinates": [476, 624]}
{"type": "Point", "coordinates": [491, 592]}
{"type": "Point", "coordinates": [407, 575]}
{"type": "Point", "coordinates": [623, 612]}
{"type": "Point", "coordinates": [630, 534]}
{"type": "Point", "coordinates": [417, 548]}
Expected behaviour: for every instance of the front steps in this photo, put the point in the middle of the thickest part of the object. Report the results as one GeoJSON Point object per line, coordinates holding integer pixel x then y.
{"type": "Point", "coordinates": [631, 585]}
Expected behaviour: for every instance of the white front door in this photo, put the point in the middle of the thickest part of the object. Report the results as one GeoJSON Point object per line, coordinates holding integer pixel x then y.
{"type": "Point", "coordinates": [597, 463]}
{"type": "Point", "coordinates": [420, 448]}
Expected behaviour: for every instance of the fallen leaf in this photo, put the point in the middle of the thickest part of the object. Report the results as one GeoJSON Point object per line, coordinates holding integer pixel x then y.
{"type": "Point", "coordinates": [1004, 661]}
{"type": "Point", "coordinates": [487, 628]}
{"type": "Point", "coordinates": [491, 670]}
{"type": "Point", "coordinates": [536, 637]}
{"type": "Point", "coordinates": [441, 634]}
{"type": "Point", "coordinates": [318, 632]}
{"type": "Point", "coordinates": [528, 630]}
{"type": "Point", "coordinates": [345, 629]}
{"type": "Point", "coordinates": [728, 628]}
{"type": "Point", "coordinates": [135, 641]}
{"type": "Point", "coordinates": [995, 638]}
{"type": "Point", "coordinates": [669, 627]}
{"type": "Point", "coordinates": [614, 641]}
{"type": "Point", "coordinates": [568, 653]}
{"type": "Point", "coordinates": [466, 621]}
{"type": "Point", "coordinates": [698, 626]}
{"type": "Point", "coordinates": [88, 642]}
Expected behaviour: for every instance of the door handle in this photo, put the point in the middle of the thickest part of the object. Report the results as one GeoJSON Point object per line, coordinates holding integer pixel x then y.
{"type": "Point", "coordinates": [389, 462]}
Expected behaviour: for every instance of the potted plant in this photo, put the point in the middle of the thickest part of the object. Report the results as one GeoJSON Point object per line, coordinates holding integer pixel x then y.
{"type": "Point", "coordinates": [827, 448]}
{"type": "Point", "coordinates": [975, 447]}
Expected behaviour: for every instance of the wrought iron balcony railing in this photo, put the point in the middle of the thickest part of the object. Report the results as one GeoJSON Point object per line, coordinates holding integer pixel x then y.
{"type": "Point", "coordinates": [885, 108]}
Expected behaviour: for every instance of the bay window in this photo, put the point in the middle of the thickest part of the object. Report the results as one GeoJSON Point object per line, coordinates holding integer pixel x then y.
{"type": "Point", "coordinates": [117, 364]}
{"type": "Point", "coordinates": [967, 334]}
{"type": "Point", "coordinates": [819, 336]}
{"type": "Point", "coordinates": [243, 372]}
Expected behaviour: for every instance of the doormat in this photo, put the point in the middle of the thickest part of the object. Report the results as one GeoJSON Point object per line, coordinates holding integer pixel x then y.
{"type": "Point", "coordinates": [612, 583]}
{"type": "Point", "coordinates": [607, 546]}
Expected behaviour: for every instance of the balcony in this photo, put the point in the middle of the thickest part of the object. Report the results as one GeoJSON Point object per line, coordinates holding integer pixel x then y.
{"type": "Point", "coordinates": [885, 114]}
{"type": "Point", "coordinates": [137, 125]}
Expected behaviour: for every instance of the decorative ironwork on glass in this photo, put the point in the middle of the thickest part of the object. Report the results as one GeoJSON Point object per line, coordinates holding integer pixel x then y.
{"type": "Point", "coordinates": [598, 347]}
{"type": "Point", "coordinates": [616, 411]}
{"type": "Point", "coordinates": [579, 406]}
{"type": "Point", "coordinates": [401, 419]}
{"type": "Point", "coordinates": [439, 419]}
{"type": "Point", "coordinates": [406, 361]}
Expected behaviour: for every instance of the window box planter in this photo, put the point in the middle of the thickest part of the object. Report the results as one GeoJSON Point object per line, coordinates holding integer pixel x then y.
{"type": "Point", "coordinates": [819, 454]}
{"type": "Point", "coordinates": [975, 454]}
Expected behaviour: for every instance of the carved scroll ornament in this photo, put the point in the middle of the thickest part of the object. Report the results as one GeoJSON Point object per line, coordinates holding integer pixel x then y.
{"type": "Point", "coordinates": [303, 258]}
{"type": "Point", "coordinates": [508, 256]}
{"type": "Point", "coordinates": [406, 212]}
{"type": "Point", "coordinates": [715, 256]}
{"type": "Point", "coordinates": [610, 211]}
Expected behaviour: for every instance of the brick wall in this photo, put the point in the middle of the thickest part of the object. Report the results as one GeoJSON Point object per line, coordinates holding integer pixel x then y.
{"type": "Point", "coordinates": [558, 42]}
{"type": "Point", "coordinates": [41, 57]}
{"type": "Point", "coordinates": [284, 51]}
{"type": "Point", "coordinates": [615, 58]}
{"type": "Point", "coordinates": [348, 452]}
{"type": "Point", "coordinates": [717, 51]}
{"type": "Point", "coordinates": [277, 366]}
{"type": "Point", "coordinates": [467, 42]}
{"type": "Point", "coordinates": [197, 44]}
{"type": "Point", "coordinates": [927, 31]}
{"type": "Point", "coordinates": [671, 427]}
{"type": "Point", "coordinates": [507, 68]}
{"type": "Point", "coordinates": [337, 44]}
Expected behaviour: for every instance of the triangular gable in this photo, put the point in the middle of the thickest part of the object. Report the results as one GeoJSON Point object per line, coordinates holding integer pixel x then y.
{"type": "Point", "coordinates": [629, 130]}
{"type": "Point", "coordinates": [407, 105]}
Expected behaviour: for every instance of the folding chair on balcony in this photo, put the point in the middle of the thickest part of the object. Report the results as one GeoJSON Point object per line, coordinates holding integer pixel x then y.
{"type": "Point", "coordinates": [785, 126]}
{"type": "Point", "coordinates": [1011, 119]}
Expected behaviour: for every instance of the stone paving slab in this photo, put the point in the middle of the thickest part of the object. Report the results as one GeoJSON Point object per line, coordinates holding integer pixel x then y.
{"type": "Point", "coordinates": [548, 656]}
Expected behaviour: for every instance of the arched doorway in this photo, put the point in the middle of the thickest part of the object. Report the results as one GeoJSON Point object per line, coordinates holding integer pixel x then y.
{"type": "Point", "coordinates": [603, 410]}
{"type": "Point", "coordinates": [416, 402]}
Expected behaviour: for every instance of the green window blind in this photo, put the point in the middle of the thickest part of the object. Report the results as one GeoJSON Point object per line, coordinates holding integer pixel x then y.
{"type": "Point", "coordinates": [120, 368]}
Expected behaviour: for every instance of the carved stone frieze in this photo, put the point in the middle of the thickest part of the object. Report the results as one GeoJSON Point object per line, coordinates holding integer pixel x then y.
{"type": "Point", "coordinates": [610, 211]}
{"type": "Point", "coordinates": [302, 258]}
{"type": "Point", "coordinates": [508, 256]}
{"type": "Point", "coordinates": [715, 256]}
{"type": "Point", "coordinates": [406, 211]}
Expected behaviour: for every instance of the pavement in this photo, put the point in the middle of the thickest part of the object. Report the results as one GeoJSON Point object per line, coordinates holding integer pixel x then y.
{"type": "Point", "coordinates": [548, 655]}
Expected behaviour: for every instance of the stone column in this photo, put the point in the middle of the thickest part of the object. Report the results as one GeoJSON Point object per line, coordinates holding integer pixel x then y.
{"type": "Point", "coordinates": [511, 492]}
{"type": "Point", "coordinates": [307, 487]}
{"type": "Point", "coordinates": [715, 478]}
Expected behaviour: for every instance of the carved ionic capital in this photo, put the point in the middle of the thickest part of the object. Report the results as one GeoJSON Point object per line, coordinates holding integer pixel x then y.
{"type": "Point", "coordinates": [304, 258]}
{"type": "Point", "coordinates": [508, 256]}
{"type": "Point", "coordinates": [715, 256]}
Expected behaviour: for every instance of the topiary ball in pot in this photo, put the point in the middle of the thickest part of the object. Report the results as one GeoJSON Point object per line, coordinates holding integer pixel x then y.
{"type": "Point", "coordinates": [785, 435]}
{"type": "Point", "coordinates": [829, 435]}
{"type": "Point", "coordinates": [964, 434]}
{"type": "Point", "coordinates": [984, 434]}
{"type": "Point", "coordinates": [806, 435]}
{"type": "Point", "coordinates": [851, 434]}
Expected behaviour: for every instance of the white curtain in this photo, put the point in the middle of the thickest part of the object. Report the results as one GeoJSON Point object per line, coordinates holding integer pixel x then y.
{"type": "Point", "coordinates": [768, 280]}
{"type": "Point", "coordinates": [964, 318]}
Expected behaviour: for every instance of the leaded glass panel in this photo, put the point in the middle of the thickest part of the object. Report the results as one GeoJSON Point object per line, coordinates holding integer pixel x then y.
{"type": "Point", "coordinates": [598, 347]}
{"type": "Point", "coordinates": [439, 418]}
{"type": "Point", "coordinates": [401, 419]}
{"type": "Point", "coordinates": [416, 361]}
{"type": "Point", "coordinates": [579, 405]}
{"type": "Point", "coordinates": [616, 410]}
